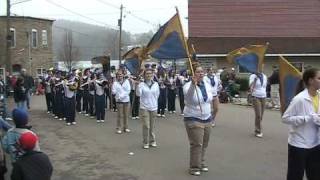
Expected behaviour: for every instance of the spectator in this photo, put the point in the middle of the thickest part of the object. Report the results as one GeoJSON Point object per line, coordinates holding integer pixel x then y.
{"type": "Point", "coordinates": [28, 84]}
{"type": "Point", "coordinates": [33, 165]}
{"type": "Point", "coordinates": [9, 141]}
{"type": "Point", "coordinates": [20, 95]}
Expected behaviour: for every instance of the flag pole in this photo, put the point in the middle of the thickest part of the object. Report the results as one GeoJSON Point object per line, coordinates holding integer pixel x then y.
{"type": "Point", "coordinates": [188, 54]}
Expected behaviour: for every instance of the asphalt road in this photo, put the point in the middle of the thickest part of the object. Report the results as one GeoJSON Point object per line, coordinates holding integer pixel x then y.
{"type": "Point", "coordinates": [91, 151]}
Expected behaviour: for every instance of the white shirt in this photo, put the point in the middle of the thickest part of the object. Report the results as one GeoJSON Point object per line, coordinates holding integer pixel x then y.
{"type": "Point", "coordinates": [68, 92]}
{"type": "Point", "coordinates": [259, 90]}
{"type": "Point", "coordinates": [148, 96]}
{"type": "Point", "coordinates": [216, 84]}
{"type": "Point", "coordinates": [304, 133]}
{"type": "Point", "coordinates": [192, 108]}
{"type": "Point", "coordinates": [121, 91]}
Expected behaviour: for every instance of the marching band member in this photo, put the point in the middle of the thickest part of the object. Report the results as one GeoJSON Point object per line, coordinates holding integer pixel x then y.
{"type": "Point", "coordinates": [47, 84]}
{"type": "Point", "coordinates": [100, 98]}
{"type": "Point", "coordinates": [91, 100]}
{"type": "Point", "coordinates": [135, 98]}
{"type": "Point", "coordinates": [180, 81]}
{"type": "Point", "coordinates": [59, 93]}
{"type": "Point", "coordinates": [79, 92]}
{"type": "Point", "coordinates": [70, 101]}
{"type": "Point", "coordinates": [162, 100]}
{"type": "Point", "coordinates": [85, 86]}
{"type": "Point", "coordinates": [198, 93]}
{"type": "Point", "coordinates": [171, 84]}
{"type": "Point", "coordinates": [149, 94]}
{"type": "Point", "coordinates": [212, 79]}
{"type": "Point", "coordinates": [121, 89]}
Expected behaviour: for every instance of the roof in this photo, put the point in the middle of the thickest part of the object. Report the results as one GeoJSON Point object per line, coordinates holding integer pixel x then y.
{"type": "Point", "coordinates": [27, 17]}
{"type": "Point", "coordinates": [278, 45]}
{"type": "Point", "coordinates": [252, 18]}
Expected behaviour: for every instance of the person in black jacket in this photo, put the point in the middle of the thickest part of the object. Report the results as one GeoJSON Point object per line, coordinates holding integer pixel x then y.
{"type": "Point", "coordinates": [28, 84]}
{"type": "Point", "coordinates": [20, 95]}
{"type": "Point", "coordinates": [33, 165]}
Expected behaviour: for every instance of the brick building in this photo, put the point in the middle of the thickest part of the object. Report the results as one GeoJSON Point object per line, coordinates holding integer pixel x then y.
{"type": "Point", "coordinates": [292, 28]}
{"type": "Point", "coordinates": [31, 45]}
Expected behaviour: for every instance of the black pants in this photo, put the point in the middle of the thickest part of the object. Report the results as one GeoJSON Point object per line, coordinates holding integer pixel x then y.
{"type": "Point", "coordinates": [78, 100]}
{"type": "Point", "coordinates": [91, 105]}
{"type": "Point", "coordinates": [171, 99]}
{"type": "Point", "coordinates": [70, 106]}
{"type": "Point", "coordinates": [302, 161]}
{"type": "Point", "coordinates": [162, 100]}
{"type": "Point", "coordinates": [108, 96]}
{"type": "Point", "coordinates": [49, 99]}
{"type": "Point", "coordinates": [59, 105]}
{"type": "Point", "coordinates": [114, 103]}
{"type": "Point", "coordinates": [100, 104]}
{"type": "Point", "coordinates": [85, 103]}
{"type": "Point", "coordinates": [54, 107]}
{"type": "Point", "coordinates": [131, 95]}
{"type": "Point", "coordinates": [181, 98]}
{"type": "Point", "coordinates": [135, 106]}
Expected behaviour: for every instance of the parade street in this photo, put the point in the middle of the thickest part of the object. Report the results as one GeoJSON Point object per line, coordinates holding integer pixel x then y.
{"type": "Point", "coordinates": [91, 151]}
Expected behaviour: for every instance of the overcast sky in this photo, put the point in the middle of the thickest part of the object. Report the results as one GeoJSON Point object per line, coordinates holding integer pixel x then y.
{"type": "Point", "coordinates": [139, 15]}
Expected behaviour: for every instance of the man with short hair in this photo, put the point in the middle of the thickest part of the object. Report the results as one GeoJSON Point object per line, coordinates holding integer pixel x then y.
{"type": "Point", "coordinates": [28, 84]}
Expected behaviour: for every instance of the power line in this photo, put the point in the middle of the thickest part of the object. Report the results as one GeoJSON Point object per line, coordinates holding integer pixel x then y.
{"type": "Point", "coordinates": [128, 12]}
{"type": "Point", "coordinates": [58, 5]}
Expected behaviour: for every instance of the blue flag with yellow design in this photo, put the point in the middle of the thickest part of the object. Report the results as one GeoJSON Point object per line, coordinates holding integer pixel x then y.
{"type": "Point", "coordinates": [168, 42]}
{"type": "Point", "coordinates": [289, 80]}
{"type": "Point", "coordinates": [133, 59]}
{"type": "Point", "coordinates": [250, 58]}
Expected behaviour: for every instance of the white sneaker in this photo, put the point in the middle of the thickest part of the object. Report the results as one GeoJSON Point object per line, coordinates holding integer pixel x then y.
{"type": "Point", "coordinates": [204, 169]}
{"type": "Point", "coordinates": [64, 119]}
{"type": "Point", "coordinates": [80, 112]}
{"type": "Point", "coordinates": [259, 135]}
{"type": "Point", "coordinates": [170, 112]}
{"type": "Point", "coordinates": [68, 124]}
{"type": "Point", "coordinates": [195, 172]}
{"type": "Point", "coordinates": [87, 115]}
{"type": "Point", "coordinates": [127, 130]}
{"type": "Point", "coordinates": [91, 117]}
{"type": "Point", "coordinates": [9, 119]}
{"type": "Point", "coordinates": [56, 117]}
{"type": "Point", "coordinates": [119, 132]}
{"type": "Point", "coordinates": [74, 123]}
{"type": "Point", "coordinates": [213, 124]}
{"type": "Point", "coordinates": [137, 117]}
{"type": "Point", "coordinates": [98, 121]}
{"type": "Point", "coordinates": [133, 118]}
{"type": "Point", "coordinates": [163, 115]}
{"type": "Point", "coordinates": [48, 112]}
{"type": "Point", "coordinates": [158, 115]}
{"type": "Point", "coordinates": [146, 146]}
{"type": "Point", "coordinates": [60, 119]}
{"type": "Point", "coordinates": [102, 121]}
{"type": "Point", "coordinates": [153, 144]}
{"type": "Point", "coordinates": [174, 111]}
{"type": "Point", "coordinates": [181, 114]}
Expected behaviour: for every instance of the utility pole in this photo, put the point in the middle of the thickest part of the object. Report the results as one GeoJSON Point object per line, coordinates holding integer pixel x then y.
{"type": "Point", "coordinates": [120, 33]}
{"type": "Point", "coordinates": [9, 39]}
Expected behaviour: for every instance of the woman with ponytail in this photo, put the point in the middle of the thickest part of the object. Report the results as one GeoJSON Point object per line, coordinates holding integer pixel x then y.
{"type": "Point", "coordinates": [303, 117]}
{"type": "Point", "coordinates": [258, 88]}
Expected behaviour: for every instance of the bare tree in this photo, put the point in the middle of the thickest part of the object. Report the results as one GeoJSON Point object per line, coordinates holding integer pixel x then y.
{"type": "Point", "coordinates": [68, 52]}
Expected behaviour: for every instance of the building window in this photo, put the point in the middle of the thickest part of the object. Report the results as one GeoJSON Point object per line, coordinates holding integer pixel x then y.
{"type": "Point", "coordinates": [298, 65]}
{"type": "Point", "coordinates": [44, 38]}
{"type": "Point", "coordinates": [13, 37]}
{"type": "Point", "coordinates": [40, 71]}
{"type": "Point", "coordinates": [34, 38]}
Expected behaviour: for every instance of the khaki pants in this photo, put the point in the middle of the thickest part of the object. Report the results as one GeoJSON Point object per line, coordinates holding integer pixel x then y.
{"type": "Point", "coordinates": [122, 118]}
{"type": "Point", "coordinates": [148, 125]}
{"type": "Point", "coordinates": [258, 106]}
{"type": "Point", "coordinates": [199, 135]}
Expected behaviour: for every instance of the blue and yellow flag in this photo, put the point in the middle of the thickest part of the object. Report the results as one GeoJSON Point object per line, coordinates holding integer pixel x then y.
{"type": "Point", "coordinates": [133, 59]}
{"type": "Point", "coordinates": [289, 80]}
{"type": "Point", "coordinates": [250, 58]}
{"type": "Point", "coordinates": [168, 42]}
